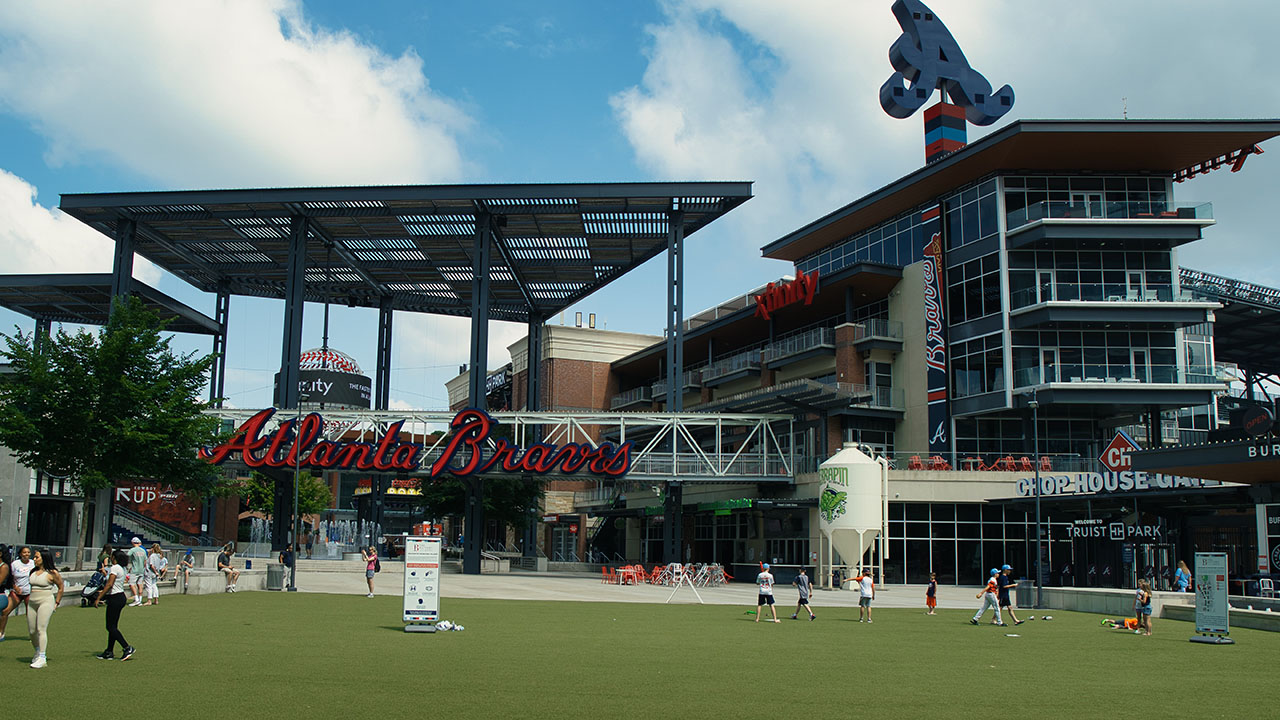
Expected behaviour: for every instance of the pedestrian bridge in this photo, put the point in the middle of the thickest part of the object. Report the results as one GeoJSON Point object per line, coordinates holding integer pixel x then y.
{"type": "Point", "coordinates": [666, 447]}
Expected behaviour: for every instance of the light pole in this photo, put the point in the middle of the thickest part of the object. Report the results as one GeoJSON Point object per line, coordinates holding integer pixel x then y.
{"type": "Point", "coordinates": [1034, 404]}
{"type": "Point", "coordinates": [297, 462]}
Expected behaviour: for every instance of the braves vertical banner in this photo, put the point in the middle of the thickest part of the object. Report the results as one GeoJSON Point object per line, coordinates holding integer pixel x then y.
{"type": "Point", "coordinates": [935, 343]}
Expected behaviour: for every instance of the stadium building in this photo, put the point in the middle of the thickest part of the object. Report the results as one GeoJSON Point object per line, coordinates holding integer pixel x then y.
{"type": "Point", "coordinates": [1032, 274]}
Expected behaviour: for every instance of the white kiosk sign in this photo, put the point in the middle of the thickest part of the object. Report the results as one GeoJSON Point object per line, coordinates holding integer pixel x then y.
{"type": "Point", "coordinates": [421, 583]}
{"type": "Point", "coordinates": [1211, 598]}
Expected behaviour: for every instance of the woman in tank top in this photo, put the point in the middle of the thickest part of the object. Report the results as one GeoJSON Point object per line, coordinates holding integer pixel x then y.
{"type": "Point", "coordinates": [20, 576]}
{"type": "Point", "coordinates": [6, 587]}
{"type": "Point", "coordinates": [46, 593]}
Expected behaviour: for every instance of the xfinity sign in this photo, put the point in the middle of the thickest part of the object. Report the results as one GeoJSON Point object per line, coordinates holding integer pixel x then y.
{"type": "Point", "coordinates": [1116, 455]}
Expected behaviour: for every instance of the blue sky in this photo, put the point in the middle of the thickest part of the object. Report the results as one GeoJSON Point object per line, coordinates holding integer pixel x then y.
{"type": "Point", "coordinates": [100, 96]}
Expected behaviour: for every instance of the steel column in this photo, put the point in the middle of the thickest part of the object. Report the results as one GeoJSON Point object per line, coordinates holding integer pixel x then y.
{"type": "Point", "coordinates": [473, 532]}
{"type": "Point", "coordinates": [673, 524]}
{"type": "Point", "coordinates": [41, 336]}
{"type": "Point", "coordinates": [675, 310]}
{"type": "Point", "coordinates": [122, 269]}
{"type": "Point", "coordinates": [294, 294]}
{"type": "Point", "coordinates": [218, 374]}
{"type": "Point", "coordinates": [382, 379]}
{"type": "Point", "coordinates": [533, 373]}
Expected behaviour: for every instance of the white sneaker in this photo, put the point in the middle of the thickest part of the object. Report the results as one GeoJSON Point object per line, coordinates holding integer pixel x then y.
{"type": "Point", "coordinates": [369, 595]}
{"type": "Point", "coordinates": [39, 662]}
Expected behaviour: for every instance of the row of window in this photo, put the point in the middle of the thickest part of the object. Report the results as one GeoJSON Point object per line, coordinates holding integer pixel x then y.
{"type": "Point", "coordinates": [972, 215]}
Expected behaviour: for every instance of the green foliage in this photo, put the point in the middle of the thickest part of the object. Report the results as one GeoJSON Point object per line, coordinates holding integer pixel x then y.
{"type": "Point", "coordinates": [121, 404]}
{"type": "Point", "coordinates": [258, 492]}
{"type": "Point", "coordinates": [505, 499]}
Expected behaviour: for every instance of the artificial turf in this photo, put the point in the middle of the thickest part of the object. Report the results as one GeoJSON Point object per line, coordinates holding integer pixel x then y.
{"type": "Point", "coordinates": [292, 655]}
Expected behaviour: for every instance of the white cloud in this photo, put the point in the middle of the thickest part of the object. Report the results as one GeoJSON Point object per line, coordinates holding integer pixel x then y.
{"type": "Point", "coordinates": [223, 93]}
{"type": "Point", "coordinates": [786, 94]}
{"type": "Point", "coordinates": [36, 239]}
{"type": "Point", "coordinates": [429, 349]}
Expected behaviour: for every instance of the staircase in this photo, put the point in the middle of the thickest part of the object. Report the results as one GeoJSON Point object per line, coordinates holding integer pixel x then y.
{"type": "Point", "coordinates": [127, 524]}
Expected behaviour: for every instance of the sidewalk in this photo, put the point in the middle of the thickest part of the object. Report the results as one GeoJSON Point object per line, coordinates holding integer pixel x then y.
{"type": "Point", "coordinates": [586, 587]}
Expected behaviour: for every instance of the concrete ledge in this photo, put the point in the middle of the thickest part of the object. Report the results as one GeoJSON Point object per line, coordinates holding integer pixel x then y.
{"type": "Point", "coordinates": [1110, 601]}
{"type": "Point", "coordinates": [1254, 619]}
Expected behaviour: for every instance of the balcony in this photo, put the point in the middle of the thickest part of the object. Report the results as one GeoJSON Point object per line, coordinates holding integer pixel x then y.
{"type": "Point", "coordinates": [690, 380]}
{"type": "Point", "coordinates": [734, 367]}
{"type": "Point", "coordinates": [1103, 373]}
{"type": "Point", "coordinates": [1106, 302]}
{"type": "Point", "coordinates": [1097, 220]}
{"type": "Point", "coordinates": [1121, 384]}
{"type": "Point", "coordinates": [639, 396]}
{"type": "Point", "coordinates": [811, 343]}
{"type": "Point", "coordinates": [877, 333]}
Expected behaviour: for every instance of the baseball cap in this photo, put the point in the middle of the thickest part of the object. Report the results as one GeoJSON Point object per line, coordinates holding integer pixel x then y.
{"type": "Point", "coordinates": [136, 541]}
{"type": "Point", "coordinates": [1006, 567]}
{"type": "Point", "coordinates": [765, 566]}
{"type": "Point", "coordinates": [995, 571]}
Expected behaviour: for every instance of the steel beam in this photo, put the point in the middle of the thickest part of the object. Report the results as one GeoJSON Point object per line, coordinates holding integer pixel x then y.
{"type": "Point", "coordinates": [122, 269]}
{"type": "Point", "coordinates": [480, 314]}
{"type": "Point", "coordinates": [382, 374]}
{"type": "Point", "coordinates": [218, 374]}
{"type": "Point", "coordinates": [295, 284]}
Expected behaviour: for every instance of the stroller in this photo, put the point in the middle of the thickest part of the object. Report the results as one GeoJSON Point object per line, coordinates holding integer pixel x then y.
{"type": "Point", "coordinates": [91, 588]}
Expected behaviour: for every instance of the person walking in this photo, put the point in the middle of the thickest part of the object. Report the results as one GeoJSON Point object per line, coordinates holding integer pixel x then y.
{"type": "Point", "coordinates": [764, 583]}
{"type": "Point", "coordinates": [227, 569]}
{"type": "Point", "coordinates": [1142, 608]}
{"type": "Point", "coordinates": [20, 575]}
{"type": "Point", "coordinates": [931, 595]}
{"type": "Point", "coordinates": [7, 594]}
{"type": "Point", "coordinates": [157, 567]}
{"type": "Point", "coordinates": [137, 569]}
{"type": "Point", "coordinates": [805, 588]}
{"type": "Point", "coordinates": [1004, 582]}
{"type": "Point", "coordinates": [113, 591]}
{"type": "Point", "coordinates": [866, 593]}
{"type": "Point", "coordinates": [44, 600]}
{"type": "Point", "coordinates": [370, 555]}
{"type": "Point", "coordinates": [989, 600]}
{"type": "Point", "coordinates": [1182, 577]}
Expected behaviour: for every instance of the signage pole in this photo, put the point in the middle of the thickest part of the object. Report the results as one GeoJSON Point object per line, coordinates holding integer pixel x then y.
{"type": "Point", "coordinates": [297, 462]}
{"type": "Point", "coordinates": [1035, 451]}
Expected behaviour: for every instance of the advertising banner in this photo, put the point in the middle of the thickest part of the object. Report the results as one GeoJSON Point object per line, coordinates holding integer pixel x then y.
{"type": "Point", "coordinates": [1271, 516]}
{"type": "Point", "coordinates": [1211, 593]}
{"type": "Point", "coordinates": [161, 503]}
{"type": "Point", "coordinates": [422, 579]}
{"type": "Point", "coordinates": [332, 388]}
{"type": "Point", "coordinates": [935, 328]}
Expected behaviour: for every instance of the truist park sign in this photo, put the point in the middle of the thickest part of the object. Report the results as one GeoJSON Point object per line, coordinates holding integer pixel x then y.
{"type": "Point", "coordinates": [470, 449]}
{"type": "Point", "coordinates": [777, 295]}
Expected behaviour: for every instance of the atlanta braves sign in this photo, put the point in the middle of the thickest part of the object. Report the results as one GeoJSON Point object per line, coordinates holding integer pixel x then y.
{"type": "Point", "coordinates": [935, 342]}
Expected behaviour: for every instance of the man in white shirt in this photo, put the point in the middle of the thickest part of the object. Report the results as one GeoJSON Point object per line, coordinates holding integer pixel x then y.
{"type": "Point", "coordinates": [157, 566]}
{"type": "Point", "coordinates": [867, 591]}
{"type": "Point", "coordinates": [764, 581]}
{"type": "Point", "coordinates": [137, 568]}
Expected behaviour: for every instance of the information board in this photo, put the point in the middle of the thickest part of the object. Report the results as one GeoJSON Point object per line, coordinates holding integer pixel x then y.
{"type": "Point", "coordinates": [422, 579]}
{"type": "Point", "coordinates": [1211, 593]}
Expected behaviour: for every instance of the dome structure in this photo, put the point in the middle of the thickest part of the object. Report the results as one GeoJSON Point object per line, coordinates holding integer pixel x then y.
{"type": "Point", "coordinates": [328, 359]}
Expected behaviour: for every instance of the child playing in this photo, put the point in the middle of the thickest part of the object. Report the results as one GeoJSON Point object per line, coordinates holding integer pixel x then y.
{"type": "Point", "coordinates": [931, 595]}
{"type": "Point", "coordinates": [867, 593]}
{"type": "Point", "coordinates": [1121, 623]}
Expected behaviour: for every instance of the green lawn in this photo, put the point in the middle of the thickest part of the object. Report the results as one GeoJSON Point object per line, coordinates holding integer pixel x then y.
{"type": "Point", "coordinates": [270, 654]}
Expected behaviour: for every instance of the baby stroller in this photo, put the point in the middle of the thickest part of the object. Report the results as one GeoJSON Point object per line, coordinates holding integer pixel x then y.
{"type": "Point", "coordinates": [91, 588]}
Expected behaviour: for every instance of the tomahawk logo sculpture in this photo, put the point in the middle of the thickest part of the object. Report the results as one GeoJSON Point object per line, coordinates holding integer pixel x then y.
{"type": "Point", "coordinates": [929, 58]}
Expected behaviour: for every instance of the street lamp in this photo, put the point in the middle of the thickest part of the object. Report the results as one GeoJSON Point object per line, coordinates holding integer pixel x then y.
{"type": "Point", "coordinates": [1034, 404]}
{"type": "Point", "coordinates": [297, 463]}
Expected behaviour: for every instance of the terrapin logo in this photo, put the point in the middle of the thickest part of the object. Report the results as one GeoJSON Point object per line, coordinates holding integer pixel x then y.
{"type": "Point", "coordinates": [831, 503]}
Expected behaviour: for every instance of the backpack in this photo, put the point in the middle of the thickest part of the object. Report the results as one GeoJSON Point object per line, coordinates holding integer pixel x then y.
{"type": "Point", "coordinates": [377, 565]}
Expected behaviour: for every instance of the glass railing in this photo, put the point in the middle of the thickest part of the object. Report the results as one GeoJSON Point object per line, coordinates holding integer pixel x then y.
{"type": "Point", "coordinates": [1099, 210]}
{"type": "Point", "coordinates": [796, 344]}
{"type": "Point", "coordinates": [1101, 373]}
{"type": "Point", "coordinates": [874, 396]}
{"type": "Point", "coordinates": [644, 393]}
{"type": "Point", "coordinates": [1096, 292]}
{"type": "Point", "coordinates": [749, 360]}
{"type": "Point", "coordinates": [877, 328]}
{"type": "Point", "coordinates": [1020, 462]}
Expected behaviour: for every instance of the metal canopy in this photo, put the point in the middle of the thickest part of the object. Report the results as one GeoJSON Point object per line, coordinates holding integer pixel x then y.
{"type": "Point", "coordinates": [85, 299]}
{"type": "Point", "coordinates": [555, 244]}
{"type": "Point", "coordinates": [1246, 329]}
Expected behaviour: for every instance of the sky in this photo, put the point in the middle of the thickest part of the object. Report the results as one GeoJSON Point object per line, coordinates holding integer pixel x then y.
{"type": "Point", "coordinates": [110, 96]}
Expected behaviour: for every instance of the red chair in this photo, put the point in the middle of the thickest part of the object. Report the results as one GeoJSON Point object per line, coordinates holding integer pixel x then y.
{"type": "Point", "coordinates": [937, 462]}
{"type": "Point", "coordinates": [914, 463]}
{"type": "Point", "coordinates": [604, 574]}
{"type": "Point", "coordinates": [1024, 464]}
{"type": "Point", "coordinates": [1046, 465]}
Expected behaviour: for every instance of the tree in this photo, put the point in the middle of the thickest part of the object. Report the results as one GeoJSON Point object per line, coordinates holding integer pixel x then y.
{"type": "Point", "coordinates": [259, 494]}
{"type": "Point", "coordinates": [121, 404]}
{"type": "Point", "coordinates": [506, 499]}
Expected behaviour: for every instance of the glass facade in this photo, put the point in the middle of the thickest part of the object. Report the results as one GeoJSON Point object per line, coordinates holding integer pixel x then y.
{"type": "Point", "coordinates": [977, 366]}
{"type": "Point", "coordinates": [1026, 198]}
{"type": "Point", "coordinates": [1037, 276]}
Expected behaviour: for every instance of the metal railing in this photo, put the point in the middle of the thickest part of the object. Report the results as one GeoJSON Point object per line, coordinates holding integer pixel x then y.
{"type": "Point", "coordinates": [1217, 286]}
{"type": "Point", "coordinates": [688, 379]}
{"type": "Point", "coordinates": [644, 393]}
{"type": "Point", "coordinates": [1097, 292]}
{"type": "Point", "coordinates": [144, 525]}
{"type": "Point", "coordinates": [877, 328]}
{"type": "Point", "coordinates": [1102, 210]}
{"type": "Point", "coordinates": [874, 396]}
{"type": "Point", "coordinates": [803, 342]}
{"type": "Point", "coordinates": [989, 462]}
{"type": "Point", "coordinates": [749, 360]}
{"type": "Point", "coordinates": [1118, 373]}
